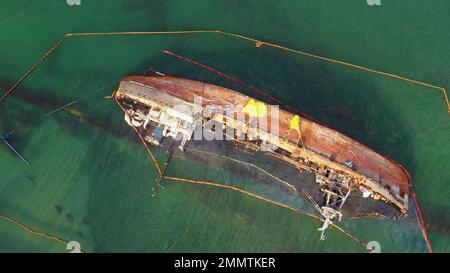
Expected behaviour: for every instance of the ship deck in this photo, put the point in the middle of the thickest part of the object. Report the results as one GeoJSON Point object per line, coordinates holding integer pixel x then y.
{"type": "Point", "coordinates": [316, 137]}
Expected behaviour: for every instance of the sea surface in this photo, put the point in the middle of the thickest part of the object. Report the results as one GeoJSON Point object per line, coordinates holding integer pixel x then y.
{"type": "Point", "coordinates": [90, 179]}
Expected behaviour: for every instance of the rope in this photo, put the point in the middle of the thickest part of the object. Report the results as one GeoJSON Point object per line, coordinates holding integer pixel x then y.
{"type": "Point", "coordinates": [73, 102]}
{"type": "Point", "coordinates": [34, 232]}
{"type": "Point", "coordinates": [258, 44]}
{"type": "Point", "coordinates": [249, 164]}
{"type": "Point", "coordinates": [360, 67]}
{"type": "Point", "coordinates": [239, 82]}
{"type": "Point", "coordinates": [33, 67]}
{"type": "Point", "coordinates": [163, 176]}
{"type": "Point", "coordinates": [409, 184]}
{"type": "Point", "coordinates": [155, 162]}
{"type": "Point", "coordinates": [422, 223]}
{"type": "Point", "coordinates": [209, 183]}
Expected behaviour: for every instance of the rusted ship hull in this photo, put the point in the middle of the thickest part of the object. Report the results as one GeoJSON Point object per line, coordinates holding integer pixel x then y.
{"type": "Point", "coordinates": [341, 164]}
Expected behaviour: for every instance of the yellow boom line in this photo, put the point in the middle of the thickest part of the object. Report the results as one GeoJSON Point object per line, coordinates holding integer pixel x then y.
{"type": "Point", "coordinates": [258, 44]}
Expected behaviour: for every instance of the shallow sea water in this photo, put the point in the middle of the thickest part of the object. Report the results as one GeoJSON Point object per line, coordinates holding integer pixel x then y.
{"type": "Point", "coordinates": [90, 177]}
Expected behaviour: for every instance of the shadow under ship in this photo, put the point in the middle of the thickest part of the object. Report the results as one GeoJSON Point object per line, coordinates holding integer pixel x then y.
{"type": "Point", "coordinates": [163, 106]}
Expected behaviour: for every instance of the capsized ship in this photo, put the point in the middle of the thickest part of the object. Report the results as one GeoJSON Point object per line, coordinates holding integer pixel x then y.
{"type": "Point", "coordinates": [164, 106]}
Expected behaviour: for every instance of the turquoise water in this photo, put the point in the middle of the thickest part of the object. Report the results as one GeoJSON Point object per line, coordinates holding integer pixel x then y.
{"type": "Point", "coordinates": [90, 179]}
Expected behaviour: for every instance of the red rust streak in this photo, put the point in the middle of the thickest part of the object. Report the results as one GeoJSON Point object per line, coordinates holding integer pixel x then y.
{"type": "Point", "coordinates": [241, 83]}
{"type": "Point", "coordinates": [422, 223]}
{"type": "Point", "coordinates": [155, 162]}
{"type": "Point", "coordinates": [408, 184]}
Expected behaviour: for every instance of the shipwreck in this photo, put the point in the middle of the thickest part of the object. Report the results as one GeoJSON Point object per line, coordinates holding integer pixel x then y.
{"type": "Point", "coordinates": [167, 107]}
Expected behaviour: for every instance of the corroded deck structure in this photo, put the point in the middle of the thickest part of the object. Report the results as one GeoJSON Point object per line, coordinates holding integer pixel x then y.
{"type": "Point", "coordinates": [340, 163]}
